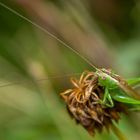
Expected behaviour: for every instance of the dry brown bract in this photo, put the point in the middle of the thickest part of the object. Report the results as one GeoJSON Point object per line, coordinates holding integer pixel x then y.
{"type": "Point", "coordinates": [83, 104]}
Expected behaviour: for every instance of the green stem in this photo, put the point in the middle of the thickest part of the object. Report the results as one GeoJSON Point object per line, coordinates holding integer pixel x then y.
{"type": "Point", "coordinates": [118, 133]}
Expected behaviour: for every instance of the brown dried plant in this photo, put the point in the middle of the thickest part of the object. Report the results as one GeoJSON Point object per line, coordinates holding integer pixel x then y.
{"type": "Point", "coordinates": [83, 104]}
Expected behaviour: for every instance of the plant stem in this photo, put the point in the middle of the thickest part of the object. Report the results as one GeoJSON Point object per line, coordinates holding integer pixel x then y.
{"type": "Point", "coordinates": [118, 133]}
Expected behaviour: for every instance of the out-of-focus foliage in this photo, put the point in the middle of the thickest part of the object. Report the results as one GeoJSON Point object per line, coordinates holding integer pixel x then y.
{"type": "Point", "coordinates": [105, 32]}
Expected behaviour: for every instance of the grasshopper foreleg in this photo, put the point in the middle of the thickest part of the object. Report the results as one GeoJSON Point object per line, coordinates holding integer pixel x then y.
{"type": "Point", "coordinates": [107, 100]}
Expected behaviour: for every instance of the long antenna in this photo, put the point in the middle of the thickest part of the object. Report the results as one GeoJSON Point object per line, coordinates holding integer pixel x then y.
{"type": "Point", "coordinates": [47, 32]}
{"type": "Point", "coordinates": [38, 80]}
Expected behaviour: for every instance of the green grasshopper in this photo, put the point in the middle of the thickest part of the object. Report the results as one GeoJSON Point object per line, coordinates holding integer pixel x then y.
{"type": "Point", "coordinates": [117, 88]}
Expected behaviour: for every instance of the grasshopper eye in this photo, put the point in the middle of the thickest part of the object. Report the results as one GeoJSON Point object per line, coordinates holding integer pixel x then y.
{"type": "Point", "coordinates": [103, 78]}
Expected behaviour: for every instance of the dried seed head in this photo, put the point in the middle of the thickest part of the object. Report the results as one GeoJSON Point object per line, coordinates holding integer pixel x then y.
{"type": "Point", "coordinates": [83, 104]}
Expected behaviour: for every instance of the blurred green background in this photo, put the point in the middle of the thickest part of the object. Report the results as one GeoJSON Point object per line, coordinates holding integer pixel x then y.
{"type": "Point", "coordinates": [35, 68]}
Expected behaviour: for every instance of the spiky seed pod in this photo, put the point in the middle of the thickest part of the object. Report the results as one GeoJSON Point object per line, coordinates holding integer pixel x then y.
{"type": "Point", "coordinates": [83, 104]}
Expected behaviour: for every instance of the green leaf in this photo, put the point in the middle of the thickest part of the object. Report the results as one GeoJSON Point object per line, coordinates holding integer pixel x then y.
{"type": "Point", "coordinates": [134, 108]}
{"type": "Point", "coordinates": [133, 81]}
